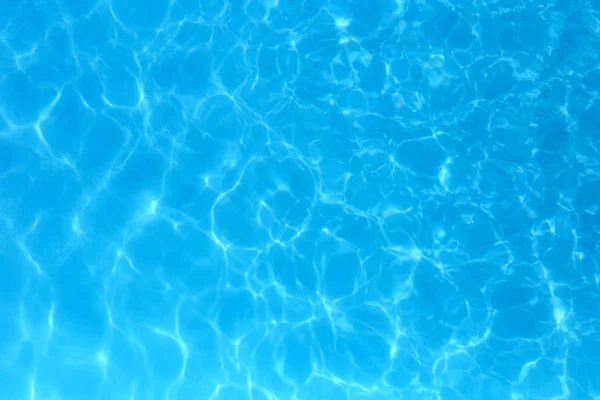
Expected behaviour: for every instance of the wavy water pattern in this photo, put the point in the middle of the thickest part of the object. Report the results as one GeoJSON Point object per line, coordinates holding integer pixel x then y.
{"type": "Point", "coordinates": [299, 199]}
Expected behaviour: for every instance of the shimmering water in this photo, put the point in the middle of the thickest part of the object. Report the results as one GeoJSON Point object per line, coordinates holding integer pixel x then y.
{"type": "Point", "coordinates": [263, 199]}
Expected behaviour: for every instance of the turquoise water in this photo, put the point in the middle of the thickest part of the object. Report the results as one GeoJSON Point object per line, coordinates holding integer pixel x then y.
{"type": "Point", "coordinates": [268, 199]}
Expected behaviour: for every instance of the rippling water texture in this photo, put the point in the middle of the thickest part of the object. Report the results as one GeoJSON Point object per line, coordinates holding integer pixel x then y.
{"type": "Point", "coordinates": [263, 199]}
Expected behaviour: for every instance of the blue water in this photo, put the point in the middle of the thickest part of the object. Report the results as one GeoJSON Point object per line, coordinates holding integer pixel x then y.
{"type": "Point", "coordinates": [263, 199]}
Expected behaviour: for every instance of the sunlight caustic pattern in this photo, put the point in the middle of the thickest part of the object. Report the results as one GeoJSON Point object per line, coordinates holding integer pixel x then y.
{"type": "Point", "coordinates": [299, 199]}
